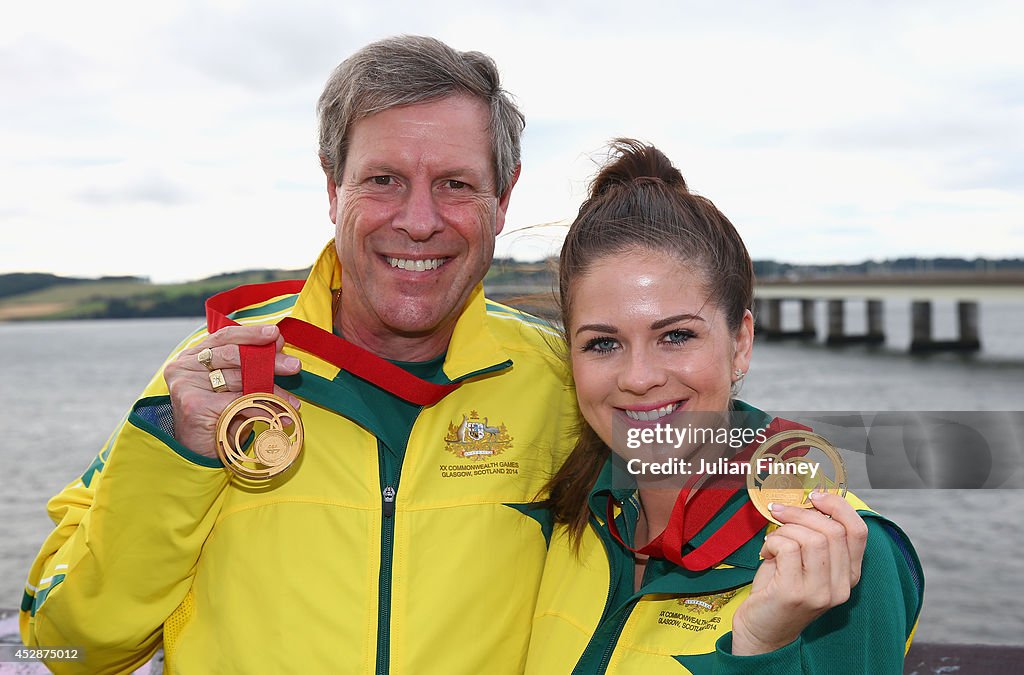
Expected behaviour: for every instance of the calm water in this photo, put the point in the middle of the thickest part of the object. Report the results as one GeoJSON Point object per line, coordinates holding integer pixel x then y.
{"type": "Point", "coordinates": [65, 385]}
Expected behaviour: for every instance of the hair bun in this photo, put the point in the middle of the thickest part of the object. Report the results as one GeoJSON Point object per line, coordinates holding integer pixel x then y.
{"type": "Point", "coordinates": [631, 161]}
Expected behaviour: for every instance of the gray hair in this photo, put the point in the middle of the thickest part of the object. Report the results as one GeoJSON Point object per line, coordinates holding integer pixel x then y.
{"type": "Point", "coordinates": [412, 69]}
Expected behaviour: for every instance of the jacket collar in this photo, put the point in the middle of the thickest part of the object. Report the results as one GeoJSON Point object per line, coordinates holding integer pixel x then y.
{"type": "Point", "coordinates": [473, 349]}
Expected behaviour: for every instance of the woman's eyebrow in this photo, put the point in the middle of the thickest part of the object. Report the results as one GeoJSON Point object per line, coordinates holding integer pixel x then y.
{"type": "Point", "coordinates": [597, 328]}
{"type": "Point", "coordinates": [668, 321]}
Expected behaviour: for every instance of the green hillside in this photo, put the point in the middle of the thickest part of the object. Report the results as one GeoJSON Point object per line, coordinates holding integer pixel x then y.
{"type": "Point", "coordinates": [19, 283]}
{"type": "Point", "coordinates": [43, 296]}
{"type": "Point", "coordinates": [47, 296]}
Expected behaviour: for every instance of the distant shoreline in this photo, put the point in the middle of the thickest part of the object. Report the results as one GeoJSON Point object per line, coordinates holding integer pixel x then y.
{"type": "Point", "coordinates": [48, 297]}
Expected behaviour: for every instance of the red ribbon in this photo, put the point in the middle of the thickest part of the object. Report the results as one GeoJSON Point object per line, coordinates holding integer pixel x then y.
{"type": "Point", "coordinates": [258, 360]}
{"type": "Point", "coordinates": [691, 515]}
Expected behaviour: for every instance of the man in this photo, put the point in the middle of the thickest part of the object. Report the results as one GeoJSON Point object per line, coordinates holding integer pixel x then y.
{"type": "Point", "coordinates": [403, 540]}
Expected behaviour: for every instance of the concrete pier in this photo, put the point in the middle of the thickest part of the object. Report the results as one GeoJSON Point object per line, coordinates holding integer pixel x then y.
{"type": "Point", "coordinates": [837, 334]}
{"type": "Point", "coordinates": [920, 325]}
{"type": "Point", "coordinates": [773, 316]}
{"type": "Point", "coordinates": [768, 319]}
{"type": "Point", "coordinates": [967, 319]}
{"type": "Point", "coordinates": [921, 329]}
{"type": "Point", "coordinates": [966, 292]}
{"type": "Point", "coordinates": [807, 327]}
{"type": "Point", "coordinates": [876, 322]}
{"type": "Point", "coordinates": [768, 316]}
{"type": "Point", "coordinates": [836, 322]}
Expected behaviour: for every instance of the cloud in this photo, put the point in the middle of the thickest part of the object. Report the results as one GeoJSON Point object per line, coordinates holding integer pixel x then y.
{"type": "Point", "coordinates": [8, 214]}
{"type": "Point", "coordinates": [995, 172]}
{"type": "Point", "coordinates": [915, 134]}
{"type": "Point", "coordinates": [1002, 87]}
{"type": "Point", "coordinates": [151, 189]}
{"type": "Point", "coordinates": [42, 66]}
{"type": "Point", "coordinates": [259, 46]}
{"type": "Point", "coordinates": [822, 130]}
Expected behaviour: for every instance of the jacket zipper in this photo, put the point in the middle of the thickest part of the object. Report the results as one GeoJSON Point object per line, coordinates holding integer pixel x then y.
{"type": "Point", "coordinates": [389, 476]}
{"type": "Point", "coordinates": [614, 639]}
{"type": "Point", "coordinates": [613, 575]}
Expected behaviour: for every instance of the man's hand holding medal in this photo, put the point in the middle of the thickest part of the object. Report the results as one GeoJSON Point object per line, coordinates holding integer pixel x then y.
{"type": "Point", "coordinates": [207, 378]}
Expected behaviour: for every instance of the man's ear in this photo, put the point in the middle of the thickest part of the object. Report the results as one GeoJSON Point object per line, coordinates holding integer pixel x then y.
{"type": "Point", "coordinates": [503, 199]}
{"type": "Point", "coordinates": [332, 190]}
{"type": "Point", "coordinates": [332, 196]}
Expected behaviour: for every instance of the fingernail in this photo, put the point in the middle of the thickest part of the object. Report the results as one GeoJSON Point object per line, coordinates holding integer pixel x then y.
{"type": "Point", "coordinates": [775, 508]}
{"type": "Point", "coordinates": [814, 494]}
{"type": "Point", "coordinates": [291, 362]}
{"type": "Point", "coordinates": [296, 403]}
{"type": "Point", "coordinates": [267, 331]}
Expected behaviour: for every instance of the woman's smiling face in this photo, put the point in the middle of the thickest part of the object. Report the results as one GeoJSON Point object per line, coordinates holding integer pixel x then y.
{"type": "Point", "coordinates": [646, 341]}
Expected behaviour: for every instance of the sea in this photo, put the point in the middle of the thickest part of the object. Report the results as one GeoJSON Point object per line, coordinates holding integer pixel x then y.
{"type": "Point", "coordinates": [65, 385]}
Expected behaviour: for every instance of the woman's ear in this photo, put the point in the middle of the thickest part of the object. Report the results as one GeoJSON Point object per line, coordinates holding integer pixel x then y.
{"type": "Point", "coordinates": [744, 344]}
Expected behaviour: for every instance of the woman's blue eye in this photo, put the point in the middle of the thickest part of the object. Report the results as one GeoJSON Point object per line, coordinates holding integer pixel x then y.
{"type": "Point", "coordinates": [678, 337]}
{"type": "Point", "coordinates": [599, 344]}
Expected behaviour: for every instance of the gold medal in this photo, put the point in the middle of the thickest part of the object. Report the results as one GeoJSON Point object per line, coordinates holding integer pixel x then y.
{"type": "Point", "coordinates": [278, 436]}
{"type": "Point", "coordinates": [780, 474]}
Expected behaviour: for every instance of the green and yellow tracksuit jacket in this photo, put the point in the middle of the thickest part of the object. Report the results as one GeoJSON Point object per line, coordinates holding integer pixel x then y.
{"type": "Point", "coordinates": [589, 620]}
{"type": "Point", "coordinates": [402, 541]}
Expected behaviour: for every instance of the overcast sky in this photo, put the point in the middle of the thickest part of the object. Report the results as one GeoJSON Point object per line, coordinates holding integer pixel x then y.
{"type": "Point", "coordinates": [177, 140]}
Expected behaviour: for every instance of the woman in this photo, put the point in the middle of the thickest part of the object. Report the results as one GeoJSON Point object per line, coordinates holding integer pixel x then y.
{"type": "Point", "coordinates": [656, 287]}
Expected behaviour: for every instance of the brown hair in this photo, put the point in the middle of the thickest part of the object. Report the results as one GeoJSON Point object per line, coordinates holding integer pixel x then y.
{"type": "Point", "coordinates": [409, 69]}
{"type": "Point", "coordinates": [640, 201]}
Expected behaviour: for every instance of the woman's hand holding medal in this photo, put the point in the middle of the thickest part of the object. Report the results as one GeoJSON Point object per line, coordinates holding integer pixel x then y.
{"type": "Point", "coordinates": [810, 565]}
{"type": "Point", "coordinates": [193, 377]}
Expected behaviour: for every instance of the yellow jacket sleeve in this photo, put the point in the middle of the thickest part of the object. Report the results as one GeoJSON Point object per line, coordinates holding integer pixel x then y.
{"type": "Point", "coordinates": [127, 539]}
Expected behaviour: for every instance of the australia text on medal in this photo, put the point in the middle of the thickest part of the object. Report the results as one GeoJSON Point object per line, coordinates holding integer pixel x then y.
{"type": "Point", "coordinates": [676, 467]}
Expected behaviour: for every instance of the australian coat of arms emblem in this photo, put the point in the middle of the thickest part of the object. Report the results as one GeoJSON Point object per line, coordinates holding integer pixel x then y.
{"type": "Point", "coordinates": [477, 439]}
{"type": "Point", "coordinates": [709, 603]}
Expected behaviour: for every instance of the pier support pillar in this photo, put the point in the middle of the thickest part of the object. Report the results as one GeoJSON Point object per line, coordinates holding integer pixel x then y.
{"type": "Point", "coordinates": [773, 317]}
{"type": "Point", "coordinates": [967, 314]}
{"type": "Point", "coordinates": [836, 324]}
{"type": "Point", "coordinates": [876, 330]}
{"type": "Point", "coordinates": [807, 318]}
{"type": "Point", "coordinates": [921, 326]}
{"type": "Point", "coordinates": [966, 341]}
{"type": "Point", "coordinates": [768, 319]}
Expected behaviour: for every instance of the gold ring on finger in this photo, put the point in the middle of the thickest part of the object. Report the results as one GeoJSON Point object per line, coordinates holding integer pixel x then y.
{"type": "Point", "coordinates": [217, 381]}
{"type": "Point", "coordinates": [205, 357]}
